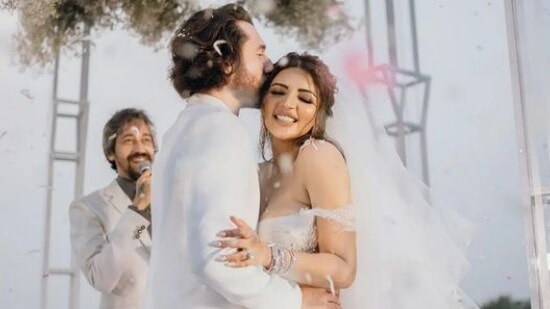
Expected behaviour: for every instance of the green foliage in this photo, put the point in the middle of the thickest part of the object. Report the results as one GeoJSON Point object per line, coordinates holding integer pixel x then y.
{"type": "Point", "coordinates": [506, 302]}
{"type": "Point", "coordinates": [48, 25]}
{"type": "Point", "coordinates": [315, 23]}
{"type": "Point", "coordinates": [9, 5]}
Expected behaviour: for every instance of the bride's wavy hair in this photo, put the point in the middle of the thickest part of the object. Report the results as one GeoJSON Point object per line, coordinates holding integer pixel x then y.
{"type": "Point", "coordinates": [324, 81]}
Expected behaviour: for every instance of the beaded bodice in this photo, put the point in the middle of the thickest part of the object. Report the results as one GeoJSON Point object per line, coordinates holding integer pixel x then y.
{"type": "Point", "coordinates": [297, 231]}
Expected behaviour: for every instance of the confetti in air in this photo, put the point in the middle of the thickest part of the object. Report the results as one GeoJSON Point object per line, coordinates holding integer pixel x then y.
{"type": "Point", "coordinates": [283, 62]}
{"type": "Point", "coordinates": [334, 12]}
{"type": "Point", "coordinates": [209, 13]}
{"type": "Point", "coordinates": [285, 163]}
{"type": "Point", "coordinates": [188, 50]}
{"type": "Point", "coordinates": [27, 94]}
{"type": "Point", "coordinates": [134, 130]}
{"type": "Point", "coordinates": [194, 73]}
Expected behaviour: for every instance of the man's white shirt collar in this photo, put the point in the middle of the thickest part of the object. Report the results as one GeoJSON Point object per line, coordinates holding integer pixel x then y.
{"type": "Point", "coordinates": [202, 98]}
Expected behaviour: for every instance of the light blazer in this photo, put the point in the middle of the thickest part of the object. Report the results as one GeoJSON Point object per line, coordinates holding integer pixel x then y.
{"type": "Point", "coordinates": [205, 172]}
{"type": "Point", "coordinates": [103, 243]}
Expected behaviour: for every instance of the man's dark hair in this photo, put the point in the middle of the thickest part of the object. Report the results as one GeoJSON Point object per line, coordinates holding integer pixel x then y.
{"type": "Point", "coordinates": [204, 45]}
{"type": "Point", "coordinates": [114, 126]}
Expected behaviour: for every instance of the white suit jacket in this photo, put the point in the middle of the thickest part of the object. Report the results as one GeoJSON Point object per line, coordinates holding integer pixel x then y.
{"type": "Point", "coordinates": [205, 172]}
{"type": "Point", "coordinates": [103, 243]}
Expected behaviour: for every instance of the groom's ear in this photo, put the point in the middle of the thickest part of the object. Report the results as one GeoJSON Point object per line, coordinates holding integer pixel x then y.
{"type": "Point", "coordinates": [227, 68]}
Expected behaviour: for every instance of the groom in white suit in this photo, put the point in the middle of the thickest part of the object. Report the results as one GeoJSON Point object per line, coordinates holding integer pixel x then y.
{"type": "Point", "coordinates": [206, 171]}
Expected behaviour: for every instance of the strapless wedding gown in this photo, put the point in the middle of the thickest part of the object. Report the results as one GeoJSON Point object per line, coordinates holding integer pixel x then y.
{"type": "Point", "coordinates": [297, 231]}
{"type": "Point", "coordinates": [410, 250]}
{"type": "Point", "coordinates": [390, 286]}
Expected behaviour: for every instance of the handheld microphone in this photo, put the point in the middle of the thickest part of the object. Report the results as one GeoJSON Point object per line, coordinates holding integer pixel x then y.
{"type": "Point", "coordinates": [144, 166]}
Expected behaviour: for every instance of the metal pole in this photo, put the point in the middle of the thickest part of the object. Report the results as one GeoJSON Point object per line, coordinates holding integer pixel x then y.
{"type": "Point", "coordinates": [368, 25]}
{"type": "Point", "coordinates": [400, 134]}
{"type": "Point", "coordinates": [392, 34]}
{"type": "Point", "coordinates": [390, 73]}
{"type": "Point", "coordinates": [83, 122]}
{"type": "Point", "coordinates": [49, 192]}
{"type": "Point", "coordinates": [423, 140]}
{"type": "Point", "coordinates": [82, 128]}
{"type": "Point", "coordinates": [416, 61]}
{"type": "Point", "coordinates": [78, 157]}
{"type": "Point", "coordinates": [531, 201]}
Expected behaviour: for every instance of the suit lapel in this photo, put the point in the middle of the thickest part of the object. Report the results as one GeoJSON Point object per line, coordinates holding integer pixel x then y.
{"type": "Point", "coordinates": [115, 197]}
{"type": "Point", "coordinates": [145, 240]}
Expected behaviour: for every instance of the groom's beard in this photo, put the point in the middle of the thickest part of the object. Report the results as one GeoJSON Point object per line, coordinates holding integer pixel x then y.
{"type": "Point", "coordinates": [247, 85]}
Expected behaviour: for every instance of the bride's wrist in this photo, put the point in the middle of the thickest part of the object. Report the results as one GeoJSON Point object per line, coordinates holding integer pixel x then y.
{"type": "Point", "coordinates": [266, 263]}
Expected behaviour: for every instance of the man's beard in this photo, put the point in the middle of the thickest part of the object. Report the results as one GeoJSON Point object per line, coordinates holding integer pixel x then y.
{"type": "Point", "coordinates": [248, 87]}
{"type": "Point", "coordinates": [133, 172]}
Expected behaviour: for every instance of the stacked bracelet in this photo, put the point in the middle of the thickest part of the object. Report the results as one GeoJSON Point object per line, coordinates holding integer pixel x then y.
{"type": "Point", "coordinates": [282, 259]}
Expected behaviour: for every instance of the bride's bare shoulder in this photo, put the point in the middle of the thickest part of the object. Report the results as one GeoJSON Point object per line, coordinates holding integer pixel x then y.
{"type": "Point", "coordinates": [320, 158]}
{"type": "Point", "coordinates": [322, 168]}
{"type": "Point", "coordinates": [319, 151]}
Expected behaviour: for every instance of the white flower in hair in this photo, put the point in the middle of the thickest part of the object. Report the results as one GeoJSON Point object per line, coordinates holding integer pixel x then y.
{"type": "Point", "coordinates": [217, 44]}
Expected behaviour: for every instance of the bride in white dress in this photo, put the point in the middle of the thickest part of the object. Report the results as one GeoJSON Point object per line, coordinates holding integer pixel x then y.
{"type": "Point", "coordinates": [338, 210]}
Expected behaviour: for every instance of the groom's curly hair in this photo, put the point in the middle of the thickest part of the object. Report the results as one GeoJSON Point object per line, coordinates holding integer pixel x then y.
{"type": "Point", "coordinates": [203, 45]}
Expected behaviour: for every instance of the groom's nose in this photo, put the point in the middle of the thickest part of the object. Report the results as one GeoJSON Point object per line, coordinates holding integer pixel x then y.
{"type": "Point", "coordinates": [268, 65]}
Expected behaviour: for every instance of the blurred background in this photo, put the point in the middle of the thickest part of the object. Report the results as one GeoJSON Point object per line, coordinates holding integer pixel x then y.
{"type": "Point", "coordinates": [462, 85]}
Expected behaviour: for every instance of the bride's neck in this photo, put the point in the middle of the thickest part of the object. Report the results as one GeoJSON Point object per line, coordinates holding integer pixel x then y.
{"type": "Point", "coordinates": [280, 148]}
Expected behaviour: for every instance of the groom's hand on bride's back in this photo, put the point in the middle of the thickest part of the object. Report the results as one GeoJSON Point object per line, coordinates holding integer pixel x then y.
{"type": "Point", "coordinates": [319, 298]}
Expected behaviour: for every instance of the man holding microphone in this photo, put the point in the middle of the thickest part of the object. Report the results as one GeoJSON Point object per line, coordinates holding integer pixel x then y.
{"type": "Point", "coordinates": [111, 227]}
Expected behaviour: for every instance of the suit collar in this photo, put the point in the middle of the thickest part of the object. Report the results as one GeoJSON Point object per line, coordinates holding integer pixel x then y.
{"type": "Point", "coordinates": [203, 98]}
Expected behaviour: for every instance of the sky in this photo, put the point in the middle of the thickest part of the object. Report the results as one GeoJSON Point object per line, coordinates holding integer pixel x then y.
{"type": "Point", "coordinates": [473, 153]}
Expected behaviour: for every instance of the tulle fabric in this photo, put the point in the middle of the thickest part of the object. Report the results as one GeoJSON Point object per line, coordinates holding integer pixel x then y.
{"type": "Point", "coordinates": [410, 253]}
